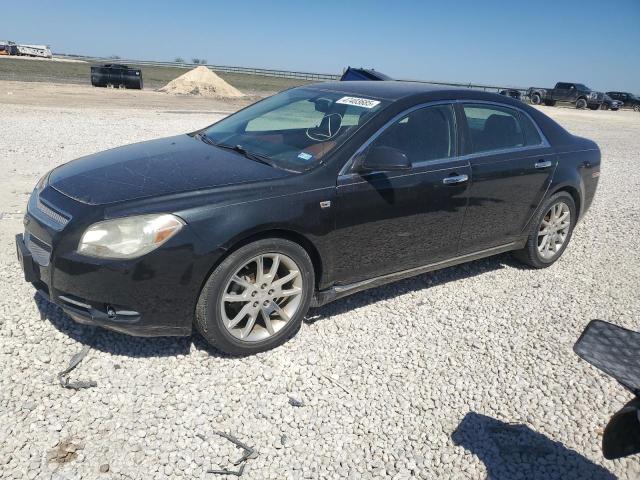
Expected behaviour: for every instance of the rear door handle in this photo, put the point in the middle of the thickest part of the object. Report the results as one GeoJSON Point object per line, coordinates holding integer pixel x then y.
{"type": "Point", "coordinates": [455, 179]}
{"type": "Point", "coordinates": [540, 164]}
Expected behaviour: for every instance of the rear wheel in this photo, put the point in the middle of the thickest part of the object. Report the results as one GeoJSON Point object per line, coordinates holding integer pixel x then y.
{"type": "Point", "coordinates": [636, 108]}
{"type": "Point", "coordinates": [581, 104]}
{"type": "Point", "coordinates": [594, 107]}
{"type": "Point", "coordinates": [550, 231]}
{"type": "Point", "coordinates": [536, 99]}
{"type": "Point", "coordinates": [550, 103]}
{"type": "Point", "coordinates": [257, 297]}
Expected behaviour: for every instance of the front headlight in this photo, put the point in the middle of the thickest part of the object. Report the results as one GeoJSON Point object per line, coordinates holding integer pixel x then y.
{"type": "Point", "coordinates": [128, 237]}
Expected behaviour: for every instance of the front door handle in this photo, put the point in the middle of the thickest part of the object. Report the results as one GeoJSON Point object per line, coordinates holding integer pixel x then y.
{"type": "Point", "coordinates": [452, 180]}
{"type": "Point", "coordinates": [540, 164]}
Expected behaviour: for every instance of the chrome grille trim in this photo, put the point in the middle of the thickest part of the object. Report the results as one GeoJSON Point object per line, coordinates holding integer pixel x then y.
{"type": "Point", "coordinates": [38, 250]}
{"type": "Point", "coordinates": [51, 213]}
{"type": "Point", "coordinates": [77, 303]}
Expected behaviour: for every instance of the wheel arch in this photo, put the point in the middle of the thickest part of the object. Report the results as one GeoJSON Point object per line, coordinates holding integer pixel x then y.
{"type": "Point", "coordinates": [575, 194]}
{"type": "Point", "coordinates": [282, 233]}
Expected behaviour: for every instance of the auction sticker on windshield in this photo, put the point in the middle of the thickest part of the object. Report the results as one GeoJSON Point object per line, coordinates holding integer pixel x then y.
{"type": "Point", "coordinates": [358, 102]}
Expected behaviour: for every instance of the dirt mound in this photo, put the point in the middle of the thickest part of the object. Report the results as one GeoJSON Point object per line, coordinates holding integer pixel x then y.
{"type": "Point", "coordinates": [201, 81]}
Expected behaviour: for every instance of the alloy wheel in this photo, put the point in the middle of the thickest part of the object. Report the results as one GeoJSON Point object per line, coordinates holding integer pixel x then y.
{"type": "Point", "coordinates": [554, 229]}
{"type": "Point", "coordinates": [261, 297]}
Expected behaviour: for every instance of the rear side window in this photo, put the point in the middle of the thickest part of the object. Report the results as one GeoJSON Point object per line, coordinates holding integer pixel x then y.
{"type": "Point", "coordinates": [531, 135]}
{"type": "Point", "coordinates": [493, 128]}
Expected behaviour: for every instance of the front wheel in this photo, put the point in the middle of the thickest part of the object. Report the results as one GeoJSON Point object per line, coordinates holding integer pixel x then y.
{"type": "Point", "coordinates": [536, 99]}
{"type": "Point", "coordinates": [636, 108]}
{"type": "Point", "coordinates": [581, 104]}
{"type": "Point", "coordinates": [550, 231]}
{"type": "Point", "coordinates": [256, 298]}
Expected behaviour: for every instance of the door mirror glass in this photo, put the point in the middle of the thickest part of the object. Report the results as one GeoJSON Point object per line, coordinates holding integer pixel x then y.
{"type": "Point", "coordinates": [383, 159]}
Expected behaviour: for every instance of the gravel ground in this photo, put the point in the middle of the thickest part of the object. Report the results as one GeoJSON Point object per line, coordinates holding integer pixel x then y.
{"type": "Point", "coordinates": [463, 373]}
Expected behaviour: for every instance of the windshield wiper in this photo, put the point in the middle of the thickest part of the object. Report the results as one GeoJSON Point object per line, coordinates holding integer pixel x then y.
{"type": "Point", "coordinates": [201, 136]}
{"type": "Point", "coordinates": [250, 155]}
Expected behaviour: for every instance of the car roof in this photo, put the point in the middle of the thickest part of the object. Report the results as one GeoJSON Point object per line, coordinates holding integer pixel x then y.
{"type": "Point", "coordinates": [387, 90]}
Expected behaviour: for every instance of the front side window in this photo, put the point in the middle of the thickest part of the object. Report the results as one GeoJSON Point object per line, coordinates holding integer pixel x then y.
{"type": "Point", "coordinates": [424, 134]}
{"type": "Point", "coordinates": [296, 129]}
{"type": "Point", "coordinates": [495, 128]}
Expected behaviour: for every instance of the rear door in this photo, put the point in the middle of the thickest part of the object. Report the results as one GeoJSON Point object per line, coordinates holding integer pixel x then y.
{"type": "Point", "coordinates": [512, 165]}
{"type": "Point", "coordinates": [562, 92]}
{"type": "Point", "coordinates": [392, 221]}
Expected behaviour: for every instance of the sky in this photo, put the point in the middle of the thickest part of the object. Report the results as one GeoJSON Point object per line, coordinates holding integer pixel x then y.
{"type": "Point", "coordinates": [504, 43]}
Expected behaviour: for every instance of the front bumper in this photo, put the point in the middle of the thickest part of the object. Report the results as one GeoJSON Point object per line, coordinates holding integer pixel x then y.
{"type": "Point", "coordinates": [109, 298]}
{"type": "Point", "coordinates": [154, 295]}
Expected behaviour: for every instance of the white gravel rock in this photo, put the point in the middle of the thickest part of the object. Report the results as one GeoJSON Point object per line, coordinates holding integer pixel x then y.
{"type": "Point", "coordinates": [437, 368]}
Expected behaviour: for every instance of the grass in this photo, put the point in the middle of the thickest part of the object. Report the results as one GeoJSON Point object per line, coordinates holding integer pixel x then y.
{"type": "Point", "coordinates": [154, 77]}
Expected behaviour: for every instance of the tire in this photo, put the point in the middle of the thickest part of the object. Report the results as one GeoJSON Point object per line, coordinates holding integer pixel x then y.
{"type": "Point", "coordinates": [531, 255]}
{"type": "Point", "coordinates": [215, 314]}
{"type": "Point", "coordinates": [581, 104]}
{"type": "Point", "coordinates": [636, 108]}
{"type": "Point", "coordinates": [614, 109]}
{"type": "Point", "coordinates": [536, 99]}
{"type": "Point", "coordinates": [594, 107]}
{"type": "Point", "coordinates": [604, 106]}
{"type": "Point", "coordinates": [550, 103]}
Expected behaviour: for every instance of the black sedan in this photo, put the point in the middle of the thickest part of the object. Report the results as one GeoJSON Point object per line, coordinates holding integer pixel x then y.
{"type": "Point", "coordinates": [300, 199]}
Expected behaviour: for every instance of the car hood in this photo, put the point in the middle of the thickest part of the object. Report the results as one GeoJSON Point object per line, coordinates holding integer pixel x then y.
{"type": "Point", "coordinates": [154, 168]}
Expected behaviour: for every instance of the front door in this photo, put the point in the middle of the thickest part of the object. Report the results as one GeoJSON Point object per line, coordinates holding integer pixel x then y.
{"type": "Point", "coordinates": [387, 222]}
{"type": "Point", "coordinates": [512, 165]}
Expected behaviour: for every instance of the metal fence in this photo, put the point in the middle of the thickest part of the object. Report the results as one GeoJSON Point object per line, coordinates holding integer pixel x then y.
{"type": "Point", "coordinates": [268, 72]}
{"type": "Point", "coordinates": [275, 73]}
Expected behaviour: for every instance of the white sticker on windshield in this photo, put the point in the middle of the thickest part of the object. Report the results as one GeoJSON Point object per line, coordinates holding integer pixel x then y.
{"type": "Point", "coordinates": [358, 102]}
{"type": "Point", "coordinates": [305, 156]}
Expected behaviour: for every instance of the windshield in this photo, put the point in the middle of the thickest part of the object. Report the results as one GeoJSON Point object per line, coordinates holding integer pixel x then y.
{"type": "Point", "coordinates": [582, 87]}
{"type": "Point", "coordinates": [295, 129]}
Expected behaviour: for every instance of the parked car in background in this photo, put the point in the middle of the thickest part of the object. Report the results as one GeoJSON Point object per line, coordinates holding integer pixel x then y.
{"type": "Point", "coordinates": [115, 75]}
{"type": "Point", "coordinates": [574, 93]}
{"type": "Point", "coordinates": [629, 100]}
{"type": "Point", "coordinates": [609, 103]}
{"type": "Point", "coordinates": [511, 92]}
{"type": "Point", "coordinates": [305, 197]}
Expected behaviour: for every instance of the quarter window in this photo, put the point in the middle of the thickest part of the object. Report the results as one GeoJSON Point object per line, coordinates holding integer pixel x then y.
{"type": "Point", "coordinates": [424, 134]}
{"type": "Point", "coordinates": [495, 128]}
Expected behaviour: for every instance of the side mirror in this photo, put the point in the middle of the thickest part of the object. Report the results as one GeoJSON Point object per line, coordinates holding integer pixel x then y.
{"type": "Point", "coordinates": [384, 159]}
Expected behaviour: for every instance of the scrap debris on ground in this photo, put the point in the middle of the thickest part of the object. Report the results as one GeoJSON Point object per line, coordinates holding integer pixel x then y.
{"type": "Point", "coordinates": [73, 363]}
{"type": "Point", "coordinates": [249, 453]}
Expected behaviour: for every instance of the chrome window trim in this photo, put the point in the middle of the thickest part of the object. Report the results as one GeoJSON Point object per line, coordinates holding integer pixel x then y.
{"type": "Point", "coordinates": [345, 170]}
{"type": "Point", "coordinates": [422, 172]}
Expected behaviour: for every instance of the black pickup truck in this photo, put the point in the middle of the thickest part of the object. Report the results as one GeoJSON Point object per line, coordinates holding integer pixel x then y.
{"type": "Point", "coordinates": [574, 93]}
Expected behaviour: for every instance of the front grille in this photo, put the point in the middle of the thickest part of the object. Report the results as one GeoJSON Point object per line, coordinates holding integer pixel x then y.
{"type": "Point", "coordinates": [57, 217]}
{"type": "Point", "coordinates": [40, 251]}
